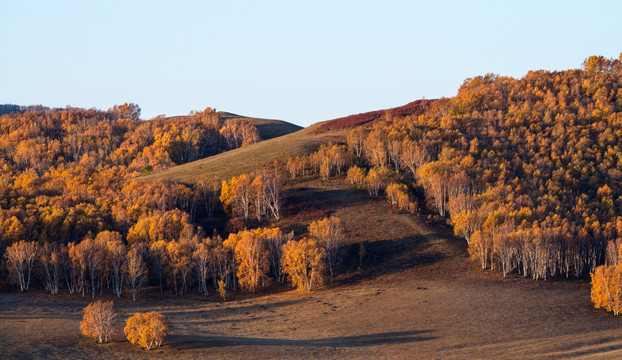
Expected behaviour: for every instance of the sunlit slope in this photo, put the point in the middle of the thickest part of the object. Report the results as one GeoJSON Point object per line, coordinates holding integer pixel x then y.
{"type": "Point", "coordinates": [282, 141]}
{"type": "Point", "coordinates": [252, 157]}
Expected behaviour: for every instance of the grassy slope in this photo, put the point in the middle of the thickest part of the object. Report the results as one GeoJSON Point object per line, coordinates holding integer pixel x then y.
{"type": "Point", "coordinates": [268, 129]}
{"type": "Point", "coordinates": [250, 158]}
{"type": "Point", "coordinates": [282, 141]}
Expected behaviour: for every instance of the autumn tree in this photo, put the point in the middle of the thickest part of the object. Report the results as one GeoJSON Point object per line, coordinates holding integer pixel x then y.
{"type": "Point", "coordinates": [136, 269]}
{"type": "Point", "coordinates": [209, 189]}
{"type": "Point", "coordinates": [147, 330]}
{"type": "Point", "coordinates": [239, 132]}
{"type": "Point", "coordinates": [356, 176]}
{"type": "Point", "coordinates": [235, 195]}
{"type": "Point", "coordinates": [271, 192]}
{"type": "Point", "coordinates": [222, 290]}
{"type": "Point", "coordinates": [397, 195]}
{"type": "Point", "coordinates": [99, 321]}
{"type": "Point", "coordinates": [376, 180]}
{"type": "Point", "coordinates": [127, 110]}
{"type": "Point", "coordinates": [51, 262]}
{"type": "Point", "coordinates": [252, 258]}
{"type": "Point", "coordinates": [21, 257]}
{"type": "Point", "coordinates": [179, 264]}
{"type": "Point", "coordinates": [331, 235]}
{"type": "Point", "coordinates": [413, 156]}
{"type": "Point", "coordinates": [375, 148]}
{"type": "Point", "coordinates": [91, 255]}
{"type": "Point", "coordinates": [304, 262]}
{"type": "Point", "coordinates": [116, 253]}
{"type": "Point", "coordinates": [201, 257]}
{"type": "Point", "coordinates": [295, 166]}
{"type": "Point", "coordinates": [70, 272]}
{"type": "Point", "coordinates": [356, 140]}
{"type": "Point", "coordinates": [275, 239]}
{"type": "Point", "coordinates": [435, 178]}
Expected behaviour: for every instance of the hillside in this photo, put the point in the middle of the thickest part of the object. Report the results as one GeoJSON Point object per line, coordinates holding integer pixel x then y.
{"type": "Point", "coordinates": [249, 158]}
{"type": "Point", "coordinates": [283, 141]}
{"type": "Point", "coordinates": [414, 108]}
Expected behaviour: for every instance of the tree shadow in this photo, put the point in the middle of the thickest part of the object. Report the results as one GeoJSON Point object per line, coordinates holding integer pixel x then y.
{"type": "Point", "coordinates": [220, 312]}
{"type": "Point", "coordinates": [322, 199]}
{"type": "Point", "coordinates": [386, 257]}
{"type": "Point", "coordinates": [398, 337]}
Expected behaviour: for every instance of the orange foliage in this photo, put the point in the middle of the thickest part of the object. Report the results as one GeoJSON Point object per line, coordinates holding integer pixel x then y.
{"type": "Point", "coordinates": [99, 320]}
{"type": "Point", "coordinates": [148, 330]}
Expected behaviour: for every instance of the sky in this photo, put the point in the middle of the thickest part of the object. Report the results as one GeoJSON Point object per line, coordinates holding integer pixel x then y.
{"type": "Point", "coordinates": [301, 62]}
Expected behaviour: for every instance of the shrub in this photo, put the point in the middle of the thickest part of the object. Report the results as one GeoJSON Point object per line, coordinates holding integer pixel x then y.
{"type": "Point", "coordinates": [99, 320]}
{"type": "Point", "coordinates": [146, 329]}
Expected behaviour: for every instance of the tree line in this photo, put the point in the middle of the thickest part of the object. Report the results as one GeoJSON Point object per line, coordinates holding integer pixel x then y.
{"type": "Point", "coordinates": [250, 259]}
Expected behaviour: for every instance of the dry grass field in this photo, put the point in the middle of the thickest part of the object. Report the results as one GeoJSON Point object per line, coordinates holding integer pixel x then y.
{"type": "Point", "coordinates": [417, 296]}
{"type": "Point", "coordinates": [249, 158]}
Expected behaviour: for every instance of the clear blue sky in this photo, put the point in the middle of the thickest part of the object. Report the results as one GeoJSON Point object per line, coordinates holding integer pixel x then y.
{"type": "Point", "coordinates": [298, 61]}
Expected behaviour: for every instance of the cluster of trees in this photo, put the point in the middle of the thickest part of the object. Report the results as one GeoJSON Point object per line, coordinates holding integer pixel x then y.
{"type": "Point", "coordinates": [99, 321]}
{"type": "Point", "coordinates": [526, 170]}
{"type": "Point", "coordinates": [607, 280]}
{"type": "Point", "coordinates": [249, 258]}
{"type": "Point", "coordinates": [362, 147]}
{"type": "Point", "coordinates": [68, 173]}
{"type": "Point", "coordinates": [262, 254]}
{"type": "Point", "coordinates": [258, 194]}
{"type": "Point", "coordinates": [329, 160]}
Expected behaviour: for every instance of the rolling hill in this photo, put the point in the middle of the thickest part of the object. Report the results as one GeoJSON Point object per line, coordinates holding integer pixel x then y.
{"type": "Point", "coordinates": [282, 140]}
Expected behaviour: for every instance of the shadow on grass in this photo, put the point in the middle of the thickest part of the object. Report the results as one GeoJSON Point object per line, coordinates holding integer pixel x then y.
{"type": "Point", "coordinates": [232, 308]}
{"type": "Point", "coordinates": [300, 199]}
{"type": "Point", "coordinates": [395, 255]}
{"type": "Point", "coordinates": [398, 337]}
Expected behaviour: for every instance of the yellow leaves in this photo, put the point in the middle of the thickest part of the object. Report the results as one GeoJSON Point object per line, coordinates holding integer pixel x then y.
{"type": "Point", "coordinates": [148, 330]}
{"type": "Point", "coordinates": [99, 320]}
{"type": "Point", "coordinates": [331, 234]}
{"type": "Point", "coordinates": [26, 182]}
{"type": "Point", "coordinates": [21, 257]}
{"type": "Point", "coordinates": [235, 195]}
{"type": "Point", "coordinates": [222, 290]}
{"type": "Point", "coordinates": [252, 257]}
{"type": "Point", "coordinates": [377, 179]}
{"type": "Point", "coordinates": [606, 292]}
{"type": "Point", "coordinates": [303, 261]}
{"type": "Point", "coordinates": [356, 176]}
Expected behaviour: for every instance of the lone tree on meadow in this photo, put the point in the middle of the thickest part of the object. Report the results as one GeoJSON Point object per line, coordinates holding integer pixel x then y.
{"type": "Point", "coordinates": [148, 330]}
{"type": "Point", "coordinates": [99, 321]}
